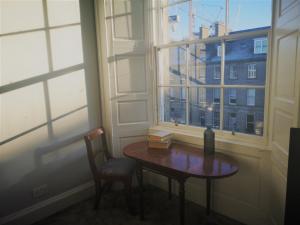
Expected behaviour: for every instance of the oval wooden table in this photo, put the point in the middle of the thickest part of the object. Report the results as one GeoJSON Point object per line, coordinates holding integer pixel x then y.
{"type": "Point", "coordinates": [180, 162]}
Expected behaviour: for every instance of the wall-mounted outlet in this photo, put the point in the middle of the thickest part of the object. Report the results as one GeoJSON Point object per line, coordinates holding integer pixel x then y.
{"type": "Point", "coordinates": [40, 191]}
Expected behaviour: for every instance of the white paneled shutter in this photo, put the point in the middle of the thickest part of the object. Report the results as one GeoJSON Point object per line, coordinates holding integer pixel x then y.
{"type": "Point", "coordinates": [127, 56]}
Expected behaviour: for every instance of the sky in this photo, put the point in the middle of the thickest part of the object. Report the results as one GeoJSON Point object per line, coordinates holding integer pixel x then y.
{"type": "Point", "coordinates": [243, 14]}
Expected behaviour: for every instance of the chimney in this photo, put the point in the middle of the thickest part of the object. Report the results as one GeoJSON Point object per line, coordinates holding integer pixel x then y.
{"type": "Point", "coordinates": [203, 32]}
{"type": "Point", "coordinates": [219, 29]}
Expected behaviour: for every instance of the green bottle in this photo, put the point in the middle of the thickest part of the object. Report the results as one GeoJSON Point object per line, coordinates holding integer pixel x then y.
{"type": "Point", "coordinates": [209, 141]}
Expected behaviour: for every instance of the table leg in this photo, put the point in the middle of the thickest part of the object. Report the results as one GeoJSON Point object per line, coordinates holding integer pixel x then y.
{"type": "Point", "coordinates": [170, 187]}
{"type": "Point", "coordinates": [208, 195]}
{"type": "Point", "coordinates": [140, 171]}
{"type": "Point", "coordinates": [181, 201]}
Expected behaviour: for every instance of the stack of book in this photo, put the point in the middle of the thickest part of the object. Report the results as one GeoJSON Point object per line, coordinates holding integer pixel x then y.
{"type": "Point", "coordinates": [160, 139]}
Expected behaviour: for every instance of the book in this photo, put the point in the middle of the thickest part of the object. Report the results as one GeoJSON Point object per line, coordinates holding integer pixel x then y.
{"type": "Point", "coordinates": [159, 145]}
{"type": "Point", "coordinates": [161, 136]}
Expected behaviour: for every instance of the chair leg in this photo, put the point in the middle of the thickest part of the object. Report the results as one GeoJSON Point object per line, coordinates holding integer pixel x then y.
{"type": "Point", "coordinates": [98, 194]}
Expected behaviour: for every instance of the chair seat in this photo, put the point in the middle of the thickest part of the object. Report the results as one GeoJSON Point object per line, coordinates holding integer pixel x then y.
{"type": "Point", "coordinates": [118, 167]}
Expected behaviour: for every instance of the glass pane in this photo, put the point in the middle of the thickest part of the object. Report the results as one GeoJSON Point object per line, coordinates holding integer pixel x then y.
{"type": "Point", "coordinates": [66, 46]}
{"type": "Point", "coordinates": [175, 21]}
{"type": "Point", "coordinates": [242, 64]}
{"type": "Point", "coordinates": [208, 18]}
{"type": "Point", "coordinates": [20, 15]}
{"type": "Point", "coordinates": [22, 110]}
{"type": "Point", "coordinates": [63, 12]}
{"type": "Point", "coordinates": [204, 107]}
{"type": "Point", "coordinates": [22, 56]}
{"type": "Point", "coordinates": [204, 64]}
{"type": "Point", "coordinates": [64, 97]}
{"type": "Point", "coordinates": [236, 113]}
{"type": "Point", "coordinates": [241, 14]}
{"type": "Point", "coordinates": [172, 66]}
{"type": "Point", "coordinates": [172, 102]}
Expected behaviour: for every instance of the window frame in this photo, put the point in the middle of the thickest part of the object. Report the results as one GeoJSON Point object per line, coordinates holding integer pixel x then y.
{"type": "Point", "coordinates": [230, 96]}
{"type": "Point", "coordinates": [190, 129]}
{"type": "Point", "coordinates": [259, 41]}
{"type": "Point", "coordinates": [251, 97]}
{"type": "Point", "coordinates": [233, 71]}
{"type": "Point", "coordinates": [252, 71]}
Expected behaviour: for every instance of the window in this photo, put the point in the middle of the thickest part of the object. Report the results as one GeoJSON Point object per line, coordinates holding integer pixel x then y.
{"type": "Point", "coordinates": [232, 96]}
{"type": "Point", "coordinates": [251, 97]}
{"type": "Point", "coordinates": [217, 72]}
{"type": "Point", "coordinates": [260, 46]}
{"type": "Point", "coordinates": [214, 67]}
{"type": "Point", "coordinates": [219, 50]}
{"type": "Point", "coordinates": [232, 72]}
{"type": "Point", "coordinates": [250, 123]}
{"type": "Point", "coordinates": [216, 120]}
{"type": "Point", "coordinates": [251, 71]}
{"type": "Point", "coordinates": [216, 96]}
{"type": "Point", "coordinates": [232, 121]}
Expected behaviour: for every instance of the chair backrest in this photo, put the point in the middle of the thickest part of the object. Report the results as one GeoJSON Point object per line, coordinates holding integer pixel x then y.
{"type": "Point", "coordinates": [88, 138]}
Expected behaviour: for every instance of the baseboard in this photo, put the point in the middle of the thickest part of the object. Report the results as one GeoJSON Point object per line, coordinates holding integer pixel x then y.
{"type": "Point", "coordinates": [49, 206]}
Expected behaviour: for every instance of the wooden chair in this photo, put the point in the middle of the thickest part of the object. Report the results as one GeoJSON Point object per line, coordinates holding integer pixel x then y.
{"type": "Point", "coordinates": [113, 169]}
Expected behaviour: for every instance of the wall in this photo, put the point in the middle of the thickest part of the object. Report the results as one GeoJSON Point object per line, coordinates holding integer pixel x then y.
{"type": "Point", "coordinates": [44, 116]}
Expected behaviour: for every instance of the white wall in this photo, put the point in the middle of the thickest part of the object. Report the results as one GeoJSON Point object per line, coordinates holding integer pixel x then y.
{"type": "Point", "coordinates": [49, 99]}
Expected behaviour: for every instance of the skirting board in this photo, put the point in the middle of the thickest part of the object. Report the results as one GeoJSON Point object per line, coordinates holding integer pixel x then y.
{"type": "Point", "coordinates": [49, 206]}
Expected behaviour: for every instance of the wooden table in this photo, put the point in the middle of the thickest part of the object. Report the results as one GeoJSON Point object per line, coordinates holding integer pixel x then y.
{"type": "Point", "coordinates": [180, 162]}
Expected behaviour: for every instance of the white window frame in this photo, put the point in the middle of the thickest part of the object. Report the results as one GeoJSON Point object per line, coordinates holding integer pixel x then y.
{"type": "Point", "coordinates": [216, 69]}
{"type": "Point", "coordinates": [231, 96]}
{"type": "Point", "coordinates": [252, 71]}
{"type": "Point", "coordinates": [232, 72]}
{"type": "Point", "coordinates": [158, 45]}
{"type": "Point", "coordinates": [214, 96]}
{"type": "Point", "coordinates": [251, 97]}
{"type": "Point", "coordinates": [259, 47]}
{"type": "Point", "coordinates": [219, 50]}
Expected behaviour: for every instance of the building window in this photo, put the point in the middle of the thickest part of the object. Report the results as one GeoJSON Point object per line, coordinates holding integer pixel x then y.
{"type": "Point", "coordinates": [232, 121]}
{"type": "Point", "coordinates": [216, 96]}
{"type": "Point", "coordinates": [251, 97]}
{"type": "Point", "coordinates": [219, 50]}
{"type": "Point", "coordinates": [202, 118]}
{"type": "Point", "coordinates": [251, 71]}
{"type": "Point", "coordinates": [216, 120]}
{"type": "Point", "coordinates": [233, 72]}
{"type": "Point", "coordinates": [217, 72]}
{"type": "Point", "coordinates": [260, 45]}
{"type": "Point", "coordinates": [232, 96]}
{"type": "Point", "coordinates": [250, 123]}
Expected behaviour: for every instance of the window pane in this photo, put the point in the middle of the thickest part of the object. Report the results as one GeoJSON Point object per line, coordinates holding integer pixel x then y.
{"type": "Point", "coordinates": [204, 111]}
{"type": "Point", "coordinates": [242, 65]}
{"type": "Point", "coordinates": [204, 64]}
{"type": "Point", "coordinates": [22, 56]}
{"type": "Point", "coordinates": [235, 115]}
{"type": "Point", "coordinates": [63, 12]}
{"type": "Point", "coordinates": [172, 102]}
{"type": "Point", "coordinates": [241, 14]}
{"type": "Point", "coordinates": [66, 46]}
{"type": "Point", "coordinates": [175, 20]}
{"type": "Point", "coordinates": [172, 69]}
{"type": "Point", "coordinates": [20, 15]}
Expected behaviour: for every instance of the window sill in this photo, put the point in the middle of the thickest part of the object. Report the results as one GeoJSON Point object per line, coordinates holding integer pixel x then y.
{"type": "Point", "coordinates": [224, 139]}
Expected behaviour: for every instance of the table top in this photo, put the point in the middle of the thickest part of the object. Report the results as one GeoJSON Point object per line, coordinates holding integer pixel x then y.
{"type": "Point", "coordinates": [188, 160]}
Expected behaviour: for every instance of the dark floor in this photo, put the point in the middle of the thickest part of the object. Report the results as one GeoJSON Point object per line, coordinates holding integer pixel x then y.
{"type": "Point", "coordinates": [113, 211]}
